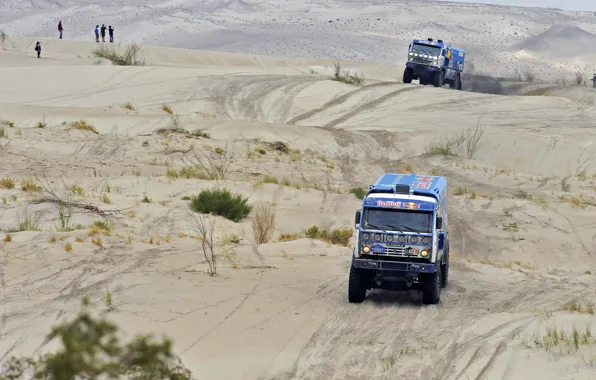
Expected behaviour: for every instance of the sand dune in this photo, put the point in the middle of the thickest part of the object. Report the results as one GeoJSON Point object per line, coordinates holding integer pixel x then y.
{"type": "Point", "coordinates": [377, 32]}
{"type": "Point", "coordinates": [521, 214]}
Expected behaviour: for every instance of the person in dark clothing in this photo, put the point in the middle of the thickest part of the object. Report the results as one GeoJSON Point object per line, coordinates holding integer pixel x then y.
{"type": "Point", "coordinates": [38, 49]}
{"type": "Point", "coordinates": [111, 32]}
{"type": "Point", "coordinates": [103, 32]}
{"type": "Point", "coordinates": [60, 28]}
{"type": "Point", "coordinates": [96, 33]}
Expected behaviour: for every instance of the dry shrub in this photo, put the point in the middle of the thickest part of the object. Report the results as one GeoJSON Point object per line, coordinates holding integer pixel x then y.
{"type": "Point", "coordinates": [263, 223]}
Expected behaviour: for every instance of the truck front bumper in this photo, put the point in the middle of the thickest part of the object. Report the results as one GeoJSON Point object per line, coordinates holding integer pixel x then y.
{"type": "Point", "coordinates": [421, 70]}
{"type": "Point", "coordinates": [394, 266]}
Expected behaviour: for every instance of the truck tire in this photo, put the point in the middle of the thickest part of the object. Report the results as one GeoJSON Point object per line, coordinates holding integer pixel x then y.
{"type": "Point", "coordinates": [431, 288]}
{"type": "Point", "coordinates": [439, 79]}
{"type": "Point", "coordinates": [408, 75]}
{"type": "Point", "coordinates": [457, 83]}
{"type": "Point", "coordinates": [445, 266]}
{"type": "Point", "coordinates": [356, 286]}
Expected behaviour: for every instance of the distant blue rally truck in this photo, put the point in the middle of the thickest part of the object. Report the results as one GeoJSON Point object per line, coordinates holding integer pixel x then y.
{"type": "Point", "coordinates": [434, 63]}
{"type": "Point", "coordinates": [402, 239]}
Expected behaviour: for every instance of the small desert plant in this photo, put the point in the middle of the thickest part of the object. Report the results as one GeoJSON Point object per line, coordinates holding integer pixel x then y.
{"type": "Point", "coordinates": [7, 238]}
{"type": "Point", "coordinates": [127, 58]}
{"type": "Point", "coordinates": [105, 198]}
{"type": "Point", "coordinates": [167, 109]}
{"type": "Point", "coordinates": [28, 221]}
{"type": "Point", "coordinates": [346, 76]}
{"type": "Point", "coordinates": [3, 133]}
{"type": "Point", "coordinates": [263, 223]}
{"type": "Point", "coordinates": [289, 236]}
{"type": "Point", "coordinates": [466, 142]}
{"type": "Point", "coordinates": [68, 246]}
{"type": "Point", "coordinates": [7, 123]}
{"type": "Point", "coordinates": [128, 106]}
{"type": "Point", "coordinates": [204, 225]}
{"type": "Point", "coordinates": [29, 186]}
{"type": "Point", "coordinates": [42, 123]}
{"type": "Point", "coordinates": [82, 125]}
{"type": "Point", "coordinates": [3, 38]}
{"type": "Point", "coordinates": [215, 161]}
{"type": "Point", "coordinates": [192, 171]}
{"type": "Point", "coordinates": [146, 199]}
{"type": "Point", "coordinates": [579, 78]}
{"type": "Point", "coordinates": [7, 183]}
{"type": "Point", "coordinates": [221, 202]}
{"type": "Point", "coordinates": [358, 192]}
{"type": "Point", "coordinates": [338, 236]}
{"type": "Point", "coordinates": [108, 300]}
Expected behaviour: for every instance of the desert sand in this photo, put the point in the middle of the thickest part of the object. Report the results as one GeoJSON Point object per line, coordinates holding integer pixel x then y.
{"type": "Point", "coordinates": [521, 213]}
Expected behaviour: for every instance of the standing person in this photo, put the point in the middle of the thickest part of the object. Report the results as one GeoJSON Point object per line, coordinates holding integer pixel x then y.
{"type": "Point", "coordinates": [111, 32]}
{"type": "Point", "coordinates": [38, 49]}
{"type": "Point", "coordinates": [96, 33]}
{"type": "Point", "coordinates": [103, 32]}
{"type": "Point", "coordinates": [60, 28]}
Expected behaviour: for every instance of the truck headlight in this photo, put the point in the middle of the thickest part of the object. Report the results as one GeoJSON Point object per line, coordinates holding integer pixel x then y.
{"type": "Point", "coordinates": [366, 249]}
{"type": "Point", "coordinates": [424, 253]}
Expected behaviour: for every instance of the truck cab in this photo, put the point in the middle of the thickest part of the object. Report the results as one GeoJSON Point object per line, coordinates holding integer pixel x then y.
{"type": "Point", "coordinates": [402, 237]}
{"type": "Point", "coordinates": [434, 62]}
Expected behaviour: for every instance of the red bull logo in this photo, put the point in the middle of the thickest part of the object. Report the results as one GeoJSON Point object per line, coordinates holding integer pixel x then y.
{"type": "Point", "coordinates": [388, 204]}
{"type": "Point", "coordinates": [411, 205]}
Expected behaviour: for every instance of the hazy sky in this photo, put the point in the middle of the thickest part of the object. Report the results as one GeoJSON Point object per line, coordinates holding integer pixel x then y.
{"type": "Point", "coordinates": [573, 5]}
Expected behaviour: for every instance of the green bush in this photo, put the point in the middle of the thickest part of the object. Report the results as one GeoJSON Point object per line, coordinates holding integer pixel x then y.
{"type": "Point", "coordinates": [358, 192]}
{"type": "Point", "coordinates": [91, 349]}
{"type": "Point", "coordinates": [221, 202]}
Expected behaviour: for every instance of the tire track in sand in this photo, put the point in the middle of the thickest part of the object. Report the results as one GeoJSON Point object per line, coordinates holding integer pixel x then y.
{"type": "Point", "coordinates": [337, 101]}
{"type": "Point", "coordinates": [368, 106]}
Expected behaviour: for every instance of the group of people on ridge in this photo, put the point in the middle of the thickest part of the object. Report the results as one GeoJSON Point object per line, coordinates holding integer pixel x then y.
{"type": "Point", "coordinates": [97, 32]}
{"type": "Point", "coordinates": [103, 33]}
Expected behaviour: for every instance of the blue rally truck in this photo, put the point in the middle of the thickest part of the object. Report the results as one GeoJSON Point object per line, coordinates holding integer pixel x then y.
{"type": "Point", "coordinates": [434, 63]}
{"type": "Point", "coordinates": [402, 237]}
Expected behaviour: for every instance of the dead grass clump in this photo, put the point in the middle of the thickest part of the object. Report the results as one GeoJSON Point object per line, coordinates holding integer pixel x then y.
{"type": "Point", "coordinates": [128, 106]}
{"type": "Point", "coordinates": [7, 183]}
{"type": "Point", "coordinates": [465, 143]}
{"type": "Point", "coordinates": [82, 125]}
{"type": "Point", "coordinates": [167, 109]}
{"type": "Point", "coordinates": [339, 236]}
{"type": "Point", "coordinates": [215, 161]}
{"type": "Point", "coordinates": [127, 58]}
{"type": "Point", "coordinates": [552, 337]}
{"type": "Point", "coordinates": [68, 246]}
{"type": "Point", "coordinates": [346, 77]}
{"type": "Point", "coordinates": [577, 307]}
{"type": "Point", "coordinates": [7, 238]}
{"type": "Point", "coordinates": [100, 227]}
{"type": "Point", "coordinates": [193, 171]}
{"type": "Point", "coordinates": [29, 186]}
{"type": "Point", "coordinates": [263, 223]}
{"type": "Point", "coordinates": [289, 237]}
{"type": "Point", "coordinates": [28, 221]}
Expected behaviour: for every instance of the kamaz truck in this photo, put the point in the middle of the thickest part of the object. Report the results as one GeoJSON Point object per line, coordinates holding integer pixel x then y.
{"type": "Point", "coordinates": [402, 237]}
{"type": "Point", "coordinates": [434, 63]}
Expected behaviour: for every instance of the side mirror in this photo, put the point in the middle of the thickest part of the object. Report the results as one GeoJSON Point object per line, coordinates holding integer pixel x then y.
{"type": "Point", "coordinates": [439, 222]}
{"type": "Point", "coordinates": [357, 218]}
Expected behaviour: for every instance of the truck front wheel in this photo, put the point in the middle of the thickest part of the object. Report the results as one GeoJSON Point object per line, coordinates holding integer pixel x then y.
{"type": "Point", "coordinates": [431, 288]}
{"type": "Point", "coordinates": [439, 79]}
{"type": "Point", "coordinates": [408, 75]}
{"type": "Point", "coordinates": [356, 285]}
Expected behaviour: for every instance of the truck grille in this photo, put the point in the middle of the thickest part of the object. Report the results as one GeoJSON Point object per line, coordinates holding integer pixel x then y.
{"type": "Point", "coordinates": [398, 251]}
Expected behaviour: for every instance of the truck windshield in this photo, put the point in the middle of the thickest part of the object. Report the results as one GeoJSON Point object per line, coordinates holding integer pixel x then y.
{"type": "Point", "coordinates": [434, 51]}
{"type": "Point", "coordinates": [397, 220]}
